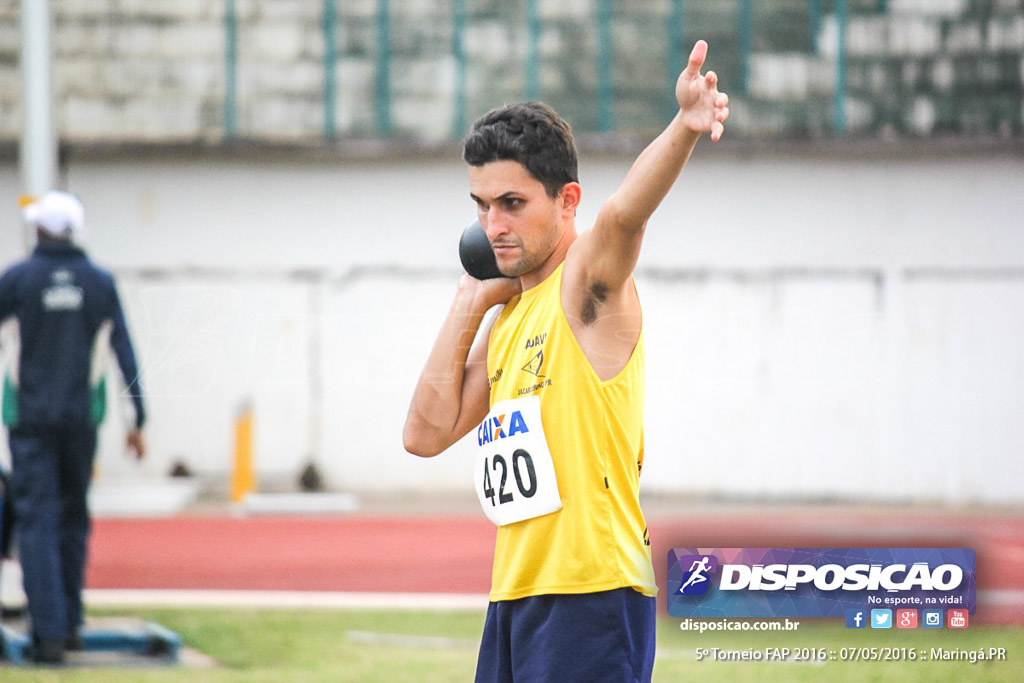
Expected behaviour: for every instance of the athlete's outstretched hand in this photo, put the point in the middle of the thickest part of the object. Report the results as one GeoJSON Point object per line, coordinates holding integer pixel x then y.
{"type": "Point", "coordinates": [703, 108]}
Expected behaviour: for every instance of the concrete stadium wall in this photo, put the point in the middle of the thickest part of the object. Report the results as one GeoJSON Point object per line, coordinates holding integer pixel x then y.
{"type": "Point", "coordinates": [817, 327]}
{"type": "Point", "coordinates": [160, 70]}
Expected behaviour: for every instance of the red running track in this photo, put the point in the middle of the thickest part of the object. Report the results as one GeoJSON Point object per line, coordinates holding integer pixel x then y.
{"type": "Point", "coordinates": [452, 554]}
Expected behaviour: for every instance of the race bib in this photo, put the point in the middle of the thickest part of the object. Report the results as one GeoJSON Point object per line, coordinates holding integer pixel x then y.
{"type": "Point", "coordinates": [514, 473]}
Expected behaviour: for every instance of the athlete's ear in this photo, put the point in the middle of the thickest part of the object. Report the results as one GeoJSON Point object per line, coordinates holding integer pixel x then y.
{"type": "Point", "coordinates": [570, 196]}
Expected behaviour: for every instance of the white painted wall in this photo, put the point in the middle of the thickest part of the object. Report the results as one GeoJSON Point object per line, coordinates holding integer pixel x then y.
{"type": "Point", "coordinates": [816, 327]}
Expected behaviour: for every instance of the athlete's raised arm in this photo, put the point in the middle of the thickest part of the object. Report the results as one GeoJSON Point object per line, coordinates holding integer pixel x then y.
{"type": "Point", "coordinates": [608, 253]}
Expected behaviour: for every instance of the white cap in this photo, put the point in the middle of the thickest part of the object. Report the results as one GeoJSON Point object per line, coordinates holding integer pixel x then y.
{"type": "Point", "coordinates": [57, 213]}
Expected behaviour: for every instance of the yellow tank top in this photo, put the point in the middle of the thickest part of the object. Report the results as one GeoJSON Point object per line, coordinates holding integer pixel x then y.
{"type": "Point", "coordinates": [598, 540]}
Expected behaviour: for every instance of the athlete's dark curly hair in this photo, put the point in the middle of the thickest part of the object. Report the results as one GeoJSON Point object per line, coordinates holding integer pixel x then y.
{"type": "Point", "coordinates": [531, 133]}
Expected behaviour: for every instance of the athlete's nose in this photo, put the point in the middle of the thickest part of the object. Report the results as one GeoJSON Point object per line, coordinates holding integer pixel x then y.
{"type": "Point", "coordinates": [494, 224]}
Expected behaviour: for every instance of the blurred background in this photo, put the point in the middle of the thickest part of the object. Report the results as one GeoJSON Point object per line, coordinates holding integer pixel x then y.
{"type": "Point", "coordinates": [833, 294]}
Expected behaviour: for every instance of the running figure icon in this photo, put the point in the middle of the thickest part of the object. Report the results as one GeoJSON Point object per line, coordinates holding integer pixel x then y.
{"type": "Point", "coordinates": [698, 571]}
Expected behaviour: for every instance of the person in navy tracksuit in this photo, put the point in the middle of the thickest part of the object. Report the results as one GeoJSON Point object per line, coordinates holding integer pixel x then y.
{"type": "Point", "coordinates": [68, 314]}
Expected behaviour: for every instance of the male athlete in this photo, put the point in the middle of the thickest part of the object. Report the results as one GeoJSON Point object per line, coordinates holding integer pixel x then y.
{"type": "Point", "coordinates": [555, 392]}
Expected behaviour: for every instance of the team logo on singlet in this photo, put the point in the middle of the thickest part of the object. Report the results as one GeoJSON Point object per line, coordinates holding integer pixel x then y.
{"type": "Point", "coordinates": [533, 366]}
{"type": "Point", "coordinates": [536, 340]}
{"type": "Point", "coordinates": [536, 361]}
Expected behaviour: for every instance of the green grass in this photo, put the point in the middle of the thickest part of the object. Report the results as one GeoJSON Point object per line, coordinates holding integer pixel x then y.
{"type": "Point", "coordinates": [339, 646]}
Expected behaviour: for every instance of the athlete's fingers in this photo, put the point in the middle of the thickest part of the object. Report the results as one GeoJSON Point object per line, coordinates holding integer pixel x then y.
{"type": "Point", "coordinates": [717, 130]}
{"type": "Point", "coordinates": [697, 57]}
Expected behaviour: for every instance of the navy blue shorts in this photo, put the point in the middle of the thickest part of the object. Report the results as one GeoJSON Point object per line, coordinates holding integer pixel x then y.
{"type": "Point", "coordinates": [590, 638]}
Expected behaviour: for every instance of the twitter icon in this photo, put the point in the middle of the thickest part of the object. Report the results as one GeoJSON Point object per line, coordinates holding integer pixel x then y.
{"type": "Point", "coordinates": [881, 618]}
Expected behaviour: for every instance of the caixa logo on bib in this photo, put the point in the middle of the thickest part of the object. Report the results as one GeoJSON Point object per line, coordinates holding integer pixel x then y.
{"type": "Point", "coordinates": [501, 427]}
{"type": "Point", "coordinates": [816, 582]}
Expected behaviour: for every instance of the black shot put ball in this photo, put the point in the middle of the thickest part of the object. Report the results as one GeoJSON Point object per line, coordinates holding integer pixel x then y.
{"type": "Point", "coordinates": [476, 254]}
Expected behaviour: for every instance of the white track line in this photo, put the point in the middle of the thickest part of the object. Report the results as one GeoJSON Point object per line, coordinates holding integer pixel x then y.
{"type": "Point", "coordinates": [283, 599]}
{"type": "Point", "coordinates": [349, 600]}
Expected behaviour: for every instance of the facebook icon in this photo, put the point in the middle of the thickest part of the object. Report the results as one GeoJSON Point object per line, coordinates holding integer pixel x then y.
{"type": "Point", "coordinates": [856, 618]}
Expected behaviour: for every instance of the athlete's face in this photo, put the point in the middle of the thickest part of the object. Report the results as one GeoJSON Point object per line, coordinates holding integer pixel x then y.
{"type": "Point", "coordinates": [522, 222]}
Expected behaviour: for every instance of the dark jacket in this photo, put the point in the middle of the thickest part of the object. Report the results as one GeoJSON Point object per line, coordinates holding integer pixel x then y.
{"type": "Point", "coordinates": [68, 311]}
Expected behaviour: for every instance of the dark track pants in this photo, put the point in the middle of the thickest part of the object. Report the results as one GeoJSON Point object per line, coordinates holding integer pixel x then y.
{"type": "Point", "coordinates": [50, 473]}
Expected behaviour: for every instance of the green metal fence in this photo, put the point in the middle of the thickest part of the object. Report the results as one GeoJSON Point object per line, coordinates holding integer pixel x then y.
{"type": "Point", "coordinates": [794, 67]}
{"type": "Point", "coordinates": [422, 69]}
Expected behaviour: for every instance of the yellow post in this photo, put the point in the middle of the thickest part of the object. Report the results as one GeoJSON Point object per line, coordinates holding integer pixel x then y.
{"type": "Point", "coordinates": [243, 480]}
